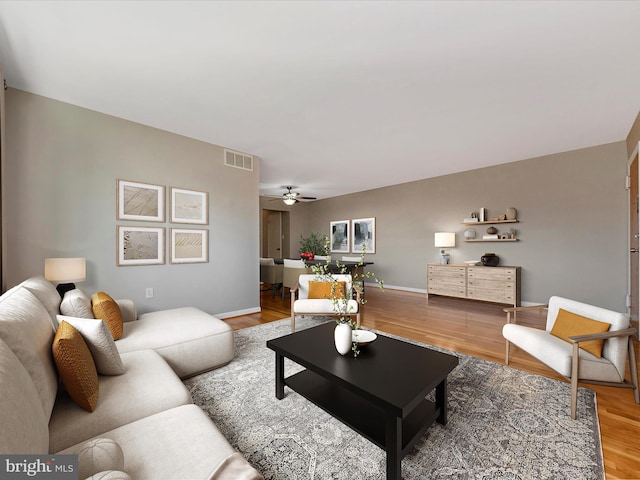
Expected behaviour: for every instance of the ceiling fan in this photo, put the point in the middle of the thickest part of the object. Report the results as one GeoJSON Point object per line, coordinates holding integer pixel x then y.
{"type": "Point", "coordinates": [290, 198]}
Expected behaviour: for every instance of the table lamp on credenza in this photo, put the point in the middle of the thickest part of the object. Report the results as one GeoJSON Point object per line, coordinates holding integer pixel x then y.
{"type": "Point", "coordinates": [65, 271]}
{"type": "Point", "coordinates": [444, 241]}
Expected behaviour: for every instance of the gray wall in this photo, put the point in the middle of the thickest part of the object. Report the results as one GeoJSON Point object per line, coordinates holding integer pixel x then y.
{"type": "Point", "coordinates": [572, 209]}
{"type": "Point", "coordinates": [59, 183]}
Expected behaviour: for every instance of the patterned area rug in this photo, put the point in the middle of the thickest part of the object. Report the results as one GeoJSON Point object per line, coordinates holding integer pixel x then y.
{"type": "Point", "coordinates": [503, 423]}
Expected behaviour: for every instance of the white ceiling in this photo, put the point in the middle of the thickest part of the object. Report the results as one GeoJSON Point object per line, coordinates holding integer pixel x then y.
{"type": "Point", "coordinates": [339, 97]}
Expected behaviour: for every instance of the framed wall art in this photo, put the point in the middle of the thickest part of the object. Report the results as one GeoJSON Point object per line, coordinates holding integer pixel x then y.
{"type": "Point", "coordinates": [189, 245]}
{"type": "Point", "coordinates": [363, 233]}
{"type": "Point", "coordinates": [140, 245]}
{"type": "Point", "coordinates": [139, 201]}
{"type": "Point", "coordinates": [339, 236]}
{"type": "Point", "coordinates": [189, 206]}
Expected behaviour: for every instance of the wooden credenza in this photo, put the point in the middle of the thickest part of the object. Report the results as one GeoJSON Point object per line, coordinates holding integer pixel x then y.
{"type": "Point", "coordinates": [490, 284]}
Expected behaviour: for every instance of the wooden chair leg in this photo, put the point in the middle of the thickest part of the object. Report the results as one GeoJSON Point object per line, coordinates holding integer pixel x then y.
{"type": "Point", "coordinates": [574, 381]}
{"type": "Point", "coordinates": [633, 369]}
{"type": "Point", "coordinates": [506, 355]}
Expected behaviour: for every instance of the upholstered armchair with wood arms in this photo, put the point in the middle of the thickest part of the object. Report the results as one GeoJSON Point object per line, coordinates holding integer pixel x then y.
{"type": "Point", "coordinates": [581, 342]}
{"type": "Point", "coordinates": [305, 302]}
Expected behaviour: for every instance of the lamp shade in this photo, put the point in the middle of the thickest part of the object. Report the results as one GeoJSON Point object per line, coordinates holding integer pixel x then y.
{"type": "Point", "coordinates": [65, 269]}
{"type": "Point", "coordinates": [289, 201]}
{"type": "Point", "coordinates": [444, 239]}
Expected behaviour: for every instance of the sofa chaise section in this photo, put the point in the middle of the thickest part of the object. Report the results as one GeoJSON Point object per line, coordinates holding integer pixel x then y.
{"type": "Point", "coordinates": [147, 387]}
{"type": "Point", "coordinates": [190, 340]}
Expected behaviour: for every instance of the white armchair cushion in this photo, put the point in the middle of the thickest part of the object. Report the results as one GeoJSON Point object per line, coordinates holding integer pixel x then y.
{"type": "Point", "coordinates": [98, 338]}
{"type": "Point", "coordinates": [556, 353]}
{"type": "Point", "coordinates": [323, 305]}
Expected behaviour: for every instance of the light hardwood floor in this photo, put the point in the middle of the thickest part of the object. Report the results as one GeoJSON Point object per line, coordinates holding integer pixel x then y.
{"type": "Point", "coordinates": [474, 328]}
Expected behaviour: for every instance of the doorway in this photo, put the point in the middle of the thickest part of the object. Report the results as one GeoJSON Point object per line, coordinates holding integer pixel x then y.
{"type": "Point", "coordinates": [275, 233]}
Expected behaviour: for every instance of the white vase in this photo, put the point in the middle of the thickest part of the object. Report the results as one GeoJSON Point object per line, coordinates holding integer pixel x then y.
{"type": "Point", "coordinates": [342, 337]}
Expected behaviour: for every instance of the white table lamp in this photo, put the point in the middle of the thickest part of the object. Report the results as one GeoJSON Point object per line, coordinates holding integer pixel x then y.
{"type": "Point", "coordinates": [444, 241]}
{"type": "Point", "coordinates": [65, 271]}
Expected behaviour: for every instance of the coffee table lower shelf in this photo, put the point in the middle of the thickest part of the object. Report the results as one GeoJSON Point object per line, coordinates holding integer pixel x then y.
{"type": "Point", "coordinates": [361, 415]}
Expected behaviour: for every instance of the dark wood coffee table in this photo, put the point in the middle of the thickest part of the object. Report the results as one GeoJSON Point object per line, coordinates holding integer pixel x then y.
{"type": "Point", "coordinates": [381, 394]}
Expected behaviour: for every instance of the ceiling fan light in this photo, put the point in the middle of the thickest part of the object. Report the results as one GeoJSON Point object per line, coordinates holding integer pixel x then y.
{"type": "Point", "coordinates": [289, 201]}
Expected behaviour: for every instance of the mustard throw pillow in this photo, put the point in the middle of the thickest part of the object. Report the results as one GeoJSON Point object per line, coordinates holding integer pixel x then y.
{"type": "Point", "coordinates": [569, 324]}
{"type": "Point", "coordinates": [105, 308]}
{"type": "Point", "coordinates": [323, 289]}
{"type": "Point", "coordinates": [75, 366]}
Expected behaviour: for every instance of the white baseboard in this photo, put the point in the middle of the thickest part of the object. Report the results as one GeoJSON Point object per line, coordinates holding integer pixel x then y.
{"type": "Point", "coordinates": [237, 313]}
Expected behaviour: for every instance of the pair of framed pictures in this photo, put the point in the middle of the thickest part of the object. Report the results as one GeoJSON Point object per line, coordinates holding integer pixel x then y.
{"type": "Point", "coordinates": [145, 202]}
{"type": "Point", "coordinates": [362, 233]}
{"type": "Point", "coordinates": [146, 245]}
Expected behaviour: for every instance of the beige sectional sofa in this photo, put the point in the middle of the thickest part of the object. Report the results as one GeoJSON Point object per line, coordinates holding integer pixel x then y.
{"type": "Point", "coordinates": [144, 424]}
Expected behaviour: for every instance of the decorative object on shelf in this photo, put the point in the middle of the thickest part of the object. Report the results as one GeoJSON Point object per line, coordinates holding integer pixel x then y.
{"type": "Point", "coordinates": [492, 230]}
{"type": "Point", "coordinates": [512, 213]}
{"type": "Point", "coordinates": [472, 218]}
{"type": "Point", "coordinates": [512, 233]}
{"type": "Point", "coordinates": [469, 233]}
{"type": "Point", "coordinates": [490, 260]}
{"type": "Point", "coordinates": [444, 241]}
{"type": "Point", "coordinates": [342, 337]}
{"type": "Point", "coordinates": [472, 263]}
{"type": "Point", "coordinates": [502, 218]}
{"type": "Point", "coordinates": [483, 214]}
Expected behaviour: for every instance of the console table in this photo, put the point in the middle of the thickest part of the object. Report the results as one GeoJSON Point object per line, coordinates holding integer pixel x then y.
{"type": "Point", "coordinates": [490, 284]}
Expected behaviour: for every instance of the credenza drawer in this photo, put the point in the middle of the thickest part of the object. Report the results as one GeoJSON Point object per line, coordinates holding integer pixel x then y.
{"type": "Point", "coordinates": [490, 284]}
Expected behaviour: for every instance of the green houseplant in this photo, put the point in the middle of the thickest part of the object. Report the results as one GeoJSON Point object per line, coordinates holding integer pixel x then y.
{"type": "Point", "coordinates": [314, 244]}
{"type": "Point", "coordinates": [341, 306]}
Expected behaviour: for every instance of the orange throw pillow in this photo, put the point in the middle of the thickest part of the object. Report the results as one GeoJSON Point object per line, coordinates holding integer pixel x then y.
{"type": "Point", "coordinates": [75, 366]}
{"type": "Point", "coordinates": [105, 308]}
{"type": "Point", "coordinates": [569, 324]}
{"type": "Point", "coordinates": [324, 289]}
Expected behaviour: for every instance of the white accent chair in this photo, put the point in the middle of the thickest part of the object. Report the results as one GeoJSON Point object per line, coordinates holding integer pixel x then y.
{"type": "Point", "coordinates": [303, 305]}
{"type": "Point", "coordinates": [292, 270]}
{"type": "Point", "coordinates": [568, 359]}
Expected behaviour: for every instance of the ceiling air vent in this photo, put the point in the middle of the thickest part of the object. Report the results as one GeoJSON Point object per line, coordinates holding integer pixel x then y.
{"type": "Point", "coordinates": [238, 160]}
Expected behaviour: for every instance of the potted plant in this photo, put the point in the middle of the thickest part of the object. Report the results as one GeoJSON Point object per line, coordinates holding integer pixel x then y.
{"type": "Point", "coordinates": [312, 245]}
{"type": "Point", "coordinates": [341, 306]}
